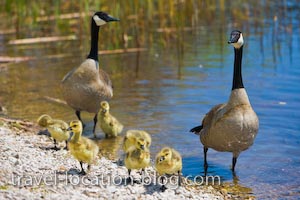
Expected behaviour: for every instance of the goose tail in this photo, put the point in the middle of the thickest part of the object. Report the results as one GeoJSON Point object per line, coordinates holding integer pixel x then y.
{"type": "Point", "coordinates": [196, 130]}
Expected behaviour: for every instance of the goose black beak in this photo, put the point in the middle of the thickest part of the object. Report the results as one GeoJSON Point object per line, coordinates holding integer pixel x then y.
{"type": "Point", "coordinates": [69, 129]}
{"type": "Point", "coordinates": [142, 147]}
{"type": "Point", "coordinates": [112, 19]}
{"type": "Point", "coordinates": [233, 38]}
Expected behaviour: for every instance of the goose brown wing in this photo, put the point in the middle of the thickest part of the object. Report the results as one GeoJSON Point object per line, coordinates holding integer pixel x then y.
{"type": "Point", "coordinates": [106, 88]}
{"type": "Point", "coordinates": [208, 118]}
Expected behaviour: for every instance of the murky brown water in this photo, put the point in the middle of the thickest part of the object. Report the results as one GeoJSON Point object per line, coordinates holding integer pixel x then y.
{"type": "Point", "coordinates": [167, 93]}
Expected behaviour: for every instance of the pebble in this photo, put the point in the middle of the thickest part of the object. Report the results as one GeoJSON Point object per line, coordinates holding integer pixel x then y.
{"type": "Point", "coordinates": [111, 189]}
{"type": "Point", "coordinates": [19, 157]}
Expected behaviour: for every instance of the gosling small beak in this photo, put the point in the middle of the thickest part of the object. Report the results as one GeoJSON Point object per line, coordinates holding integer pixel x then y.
{"type": "Point", "coordinates": [112, 19]}
{"type": "Point", "coordinates": [69, 129]}
{"type": "Point", "coordinates": [161, 158]}
{"type": "Point", "coordinates": [142, 147]}
{"type": "Point", "coordinates": [103, 110]}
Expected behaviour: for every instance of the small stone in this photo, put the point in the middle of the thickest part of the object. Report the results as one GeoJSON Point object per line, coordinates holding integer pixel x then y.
{"type": "Point", "coordinates": [132, 190]}
{"type": "Point", "coordinates": [90, 193]}
{"type": "Point", "coordinates": [17, 162]}
{"type": "Point", "coordinates": [111, 189]}
{"type": "Point", "coordinates": [12, 160]}
{"type": "Point", "coordinates": [27, 142]}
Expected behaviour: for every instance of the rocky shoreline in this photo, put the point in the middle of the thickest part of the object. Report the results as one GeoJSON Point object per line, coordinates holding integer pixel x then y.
{"type": "Point", "coordinates": [31, 170]}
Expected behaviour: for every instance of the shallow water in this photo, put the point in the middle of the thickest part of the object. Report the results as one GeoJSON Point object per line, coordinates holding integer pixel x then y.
{"type": "Point", "coordinates": [166, 94]}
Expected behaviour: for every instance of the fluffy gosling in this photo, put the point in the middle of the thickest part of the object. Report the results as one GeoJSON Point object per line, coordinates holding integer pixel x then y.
{"type": "Point", "coordinates": [108, 123]}
{"type": "Point", "coordinates": [134, 138]}
{"type": "Point", "coordinates": [57, 129]}
{"type": "Point", "coordinates": [82, 148]}
{"type": "Point", "coordinates": [168, 161]}
{"type": "Point", "coordinates": [138, 158]}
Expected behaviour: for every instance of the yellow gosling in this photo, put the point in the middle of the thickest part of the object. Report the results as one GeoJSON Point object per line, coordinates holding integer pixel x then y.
{"type": "Point", "coordinates": [57, 129]}
{"type": "Point", "coordinates": [108, 123]}
{"type": "Point", "coordinates": [135, 138]}
{"type": "Point", "coordinates": [83, 149]}
{"type": "Point", "coordinates": [138, 158]}
{"type": "Point", "coordinates": [168, 161]}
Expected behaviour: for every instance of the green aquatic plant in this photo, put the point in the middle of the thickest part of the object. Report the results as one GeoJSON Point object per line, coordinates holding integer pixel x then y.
{"type": "Point", "coordinates": [142, 21]}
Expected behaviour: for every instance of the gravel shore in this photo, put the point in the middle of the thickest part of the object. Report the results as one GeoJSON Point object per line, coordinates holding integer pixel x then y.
{"type": "Point", "coordinates": [31, 170]}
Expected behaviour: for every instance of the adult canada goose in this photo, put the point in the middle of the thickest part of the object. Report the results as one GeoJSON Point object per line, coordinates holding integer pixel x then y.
{"type": "Point", "coordinates": [232, 126]}
{"type": "Point", "coordinates": [134, 138]}
{"type": "Point", "coordinates": [57, 129]}
{"type": "Point", "coordinates": [108, 123]}
{"type": "Point", "coordinates": [82, 148]}
{"type": "Point", "coordinates": [86, 86]}
{"type": "Point", "coordinates": [168, 161]}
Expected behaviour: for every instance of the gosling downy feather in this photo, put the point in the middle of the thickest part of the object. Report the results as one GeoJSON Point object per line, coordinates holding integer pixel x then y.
{"type": "Point", "coordinates": [57, 129]}
{"type": "Point", "coordinates": [233, 126]}
{"type": "Point", "coordinates": [168, 161]}
{"type": "Point", "coordinates": [83, 149]}
{"type": "Point", "coordinates": [86, 86]}
{"type": "Point", "coordinates": [135, 138]}
{"type": "Point", "coordinates": [108, 123]}
{"type": "Point", "coordinates": [138, 158]}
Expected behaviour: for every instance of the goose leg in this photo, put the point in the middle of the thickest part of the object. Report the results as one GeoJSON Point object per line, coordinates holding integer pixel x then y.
{"type": "Point", "coordinates": [82, 170]}
{"type": "Point", "coordinates": [234, 159]}
{"type": "Point", "coordinates": [129, 177]}
{"type": "Point", "coordinates": [143, 173]}
{"type": "Point", "coordinates": [163, 187]}
{"type": "Point", "coordinates": [95, 123]}
{"type": "Point", "coordinates": [78, 116]}
{"type": "Point", "coordinates": [205, 149]}
{"type": "Point", "coordinates": [55, 145]}
{"type": "Point", "coordinates": [66, 148]}
{"type": "Point", "coordinates": [179, 178]}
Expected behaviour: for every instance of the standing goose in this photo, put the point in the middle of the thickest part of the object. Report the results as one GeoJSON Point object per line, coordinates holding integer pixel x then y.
{"type": "Point", "coordinates": [232, 126]}
{"type": "Point", "coordinates": [86, 86]}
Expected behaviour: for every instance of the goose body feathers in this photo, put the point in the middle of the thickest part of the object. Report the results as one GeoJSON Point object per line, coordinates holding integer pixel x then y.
{"type": "Point", "coordinates": [86, 86]}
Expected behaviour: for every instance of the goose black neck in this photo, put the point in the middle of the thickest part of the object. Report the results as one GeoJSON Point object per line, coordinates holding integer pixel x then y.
{"type": "Point", "coordinates": [94, 41]}
{"type": "Point", "coordinates": [237, 73]}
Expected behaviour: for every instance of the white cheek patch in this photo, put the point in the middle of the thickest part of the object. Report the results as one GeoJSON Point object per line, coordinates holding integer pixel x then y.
{"type": "Point", "coordinates": [241, 40]}
{"type": "Point", "coordinates": [239, 43]}
{"type": "Point", "coordinates": [98, 20]}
